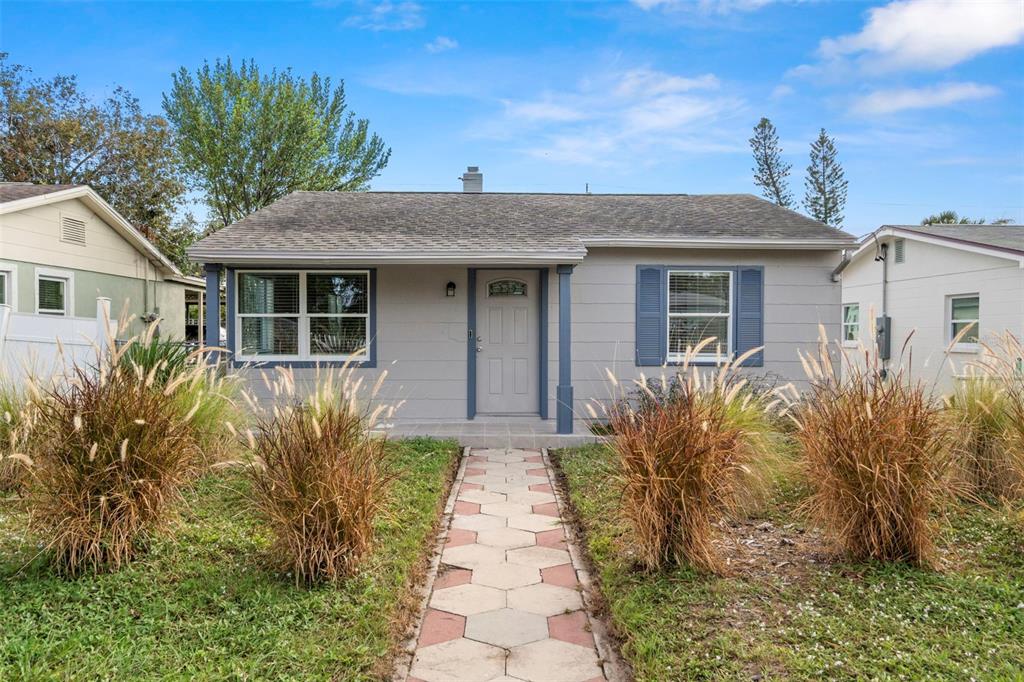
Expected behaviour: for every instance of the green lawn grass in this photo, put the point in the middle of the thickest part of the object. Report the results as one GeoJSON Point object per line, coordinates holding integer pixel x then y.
{"type": "Point", "coordinates": [816, 617]}
{"type": "Point", "coordinates": [200, 604]}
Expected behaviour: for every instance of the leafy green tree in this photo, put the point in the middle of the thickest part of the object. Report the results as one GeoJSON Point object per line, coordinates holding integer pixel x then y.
{"type": "Point", "coordinates": [247, 138]}
{"type": "Point", "coordinates": [825, 186]}
{"type": "Point", "coordinates": [771, 173]}
{"type": "Point", "coordinates": [53, 133]}
{"type": "Point", "coordinates": [953, 218]}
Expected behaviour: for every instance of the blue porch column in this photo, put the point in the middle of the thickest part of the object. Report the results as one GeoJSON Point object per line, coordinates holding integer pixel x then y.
{"type": "Point", "coordinates": [211, 338]}
{"type": "Point", "coordinates": [563, 394]}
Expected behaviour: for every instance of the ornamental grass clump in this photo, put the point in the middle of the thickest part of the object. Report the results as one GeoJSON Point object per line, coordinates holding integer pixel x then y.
{"type": "Point", "coordinates": [987, 448]}
{"type": "Point", "coordinates": [875, 450]}
{"type": "Point", "coordinates": [987, 410]}
{"type": "Point", "coordinates": [110, 453]}
{"type": "Point", "coordinates": [319, 477]}
{"type": "Point", "coordinates": [211, 396]}
{"type": "Point", "coordinates": [16, 419]}
{"type": "Point", "coordinates": [689, 459]}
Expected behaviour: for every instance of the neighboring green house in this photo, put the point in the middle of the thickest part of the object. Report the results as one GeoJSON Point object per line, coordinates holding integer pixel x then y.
{"type": "Point", "coordinates": [62, 247]}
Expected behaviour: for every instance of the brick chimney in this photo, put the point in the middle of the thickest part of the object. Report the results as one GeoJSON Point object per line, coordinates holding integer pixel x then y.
{"type": "Point", "coordinates": [472, 180]}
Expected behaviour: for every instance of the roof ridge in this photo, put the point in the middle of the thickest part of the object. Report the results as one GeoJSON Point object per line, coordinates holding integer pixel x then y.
{"type": "Point", "coordinates": [560, 194]}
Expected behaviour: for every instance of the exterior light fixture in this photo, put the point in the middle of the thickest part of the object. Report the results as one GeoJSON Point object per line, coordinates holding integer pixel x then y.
{"type": "Point", "coordinates": [450, 290]}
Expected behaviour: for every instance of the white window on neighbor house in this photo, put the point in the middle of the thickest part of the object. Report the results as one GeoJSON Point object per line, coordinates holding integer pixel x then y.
{"type": "Point", "coordinates": [699, 307]}
{"type": "Point", "coordinates": [851, 322]}
{"type": "Point", "coordinates": [9, 285]}
{"type": "Point", "coordinates": [303, 315]}
{"type": "Point", "coordinates": [54, 293]}
{"type": "Point", "coordinates": [963, 313]}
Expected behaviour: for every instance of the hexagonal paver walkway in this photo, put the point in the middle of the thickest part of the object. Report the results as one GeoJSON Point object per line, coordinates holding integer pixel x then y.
{"type": "Point", "coordinates": [507, 603]}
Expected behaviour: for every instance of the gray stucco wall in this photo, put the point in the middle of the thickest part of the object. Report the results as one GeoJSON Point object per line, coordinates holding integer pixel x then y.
{"type": "Point", "coordinates": [799, 294]}
{"type": "Point", "coordinates": [421, 342]}
{"type": "Point", "coordinates": [421, 333]}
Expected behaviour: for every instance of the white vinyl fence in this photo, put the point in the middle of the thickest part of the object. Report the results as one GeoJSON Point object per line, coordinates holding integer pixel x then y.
{"type": "Point", "coordinates": [44, 345]}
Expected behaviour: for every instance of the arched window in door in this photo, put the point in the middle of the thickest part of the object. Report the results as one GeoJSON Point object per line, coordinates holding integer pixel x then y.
{"type": "Point", "coordinates": [506, 287]}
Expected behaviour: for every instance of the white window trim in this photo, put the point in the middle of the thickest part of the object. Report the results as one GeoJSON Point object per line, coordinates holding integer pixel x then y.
{"type": "Point", "coordinates": [11, 271]}
{"type": "Point", "coordinates": [843, 324]}
{"type": "Point", "coordinates": [304, 354]}
{"type": "Point", "coordinates": [713, 354]}
{"type": "Point", "coordinates": [962, 347]}
{"type": "Point", "coordinates": [69, 290]}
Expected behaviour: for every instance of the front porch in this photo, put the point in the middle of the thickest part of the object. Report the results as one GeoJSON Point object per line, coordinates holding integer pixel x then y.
{"type": "Point", "coordinates": [497, 432]}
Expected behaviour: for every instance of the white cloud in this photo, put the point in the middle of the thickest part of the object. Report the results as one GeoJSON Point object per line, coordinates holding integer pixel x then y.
{"type": "Point", "coordinates": [542, 111]}
{"type": "Point", "coordinates": [441, 44]}
{"type": "Point", "coordinates": [929, 34]}
{"type": "Point", "coordinates": [389, 16]}
{"type": "Point", "coordinates": [901, 99]}
{"type": "Point", "coordinates": [705, 6]}
{"type": "Point", "coordinates": [645, 82]}
{"type": "Point", "coordinates": [621, 115]}
{"type": "Point", "coordinates": [782, 91]}
{"type": "Point", "coordinates": [669, 113]}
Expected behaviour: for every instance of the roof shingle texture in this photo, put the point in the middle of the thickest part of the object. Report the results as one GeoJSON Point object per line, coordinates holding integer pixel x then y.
{"type": "Point", "coordinates": [360, 222]}
{"type": "Point", "coordinates": [1000, 236]}
{"type": "Point", "coordinates": [12, 191]}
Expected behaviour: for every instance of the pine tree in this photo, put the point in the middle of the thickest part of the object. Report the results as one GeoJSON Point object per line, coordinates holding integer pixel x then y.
{"type": "Point", "coordinates": [825, 196]}
{"type": "Point", "coordinates": [770, 171]}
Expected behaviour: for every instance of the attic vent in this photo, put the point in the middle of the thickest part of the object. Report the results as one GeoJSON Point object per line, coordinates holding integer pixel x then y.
{"type": "Point", "coordinates": [72, 230]}
{"type": "Point", "coordinates": [901, 250]}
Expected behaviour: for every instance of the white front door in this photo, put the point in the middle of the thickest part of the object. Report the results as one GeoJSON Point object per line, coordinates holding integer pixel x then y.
{"type": "Point", "coordinates": [507, 342]}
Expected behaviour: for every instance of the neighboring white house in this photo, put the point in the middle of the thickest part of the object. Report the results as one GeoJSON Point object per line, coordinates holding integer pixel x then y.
{"type": "Point", "coordinates": [63, 249]}
{"type": "Point", "coordinates": [934, 280]}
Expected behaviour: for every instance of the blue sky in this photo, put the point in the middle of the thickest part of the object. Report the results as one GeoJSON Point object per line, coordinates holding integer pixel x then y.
{"type": "Point", "coordinates": [925, 97]}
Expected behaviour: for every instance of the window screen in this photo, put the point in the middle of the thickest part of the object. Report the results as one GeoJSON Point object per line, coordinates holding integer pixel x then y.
{"type": "Point", "coordinates": [338, 305]}
{"type": "Point", "coordinates": [303, 314]}
{"type": "Point", "coordinates": [851, 321]}
{"type": "Point", "coordinates": [51, 295]}
{"type": "Point", "coordinates": [964, 313]}
{"type": "Point", "coordinates": [699, 307]}
{"type": "Point", "coordinates": [268, 293]}
{"type": "Point", "coordinates": [268, 305]}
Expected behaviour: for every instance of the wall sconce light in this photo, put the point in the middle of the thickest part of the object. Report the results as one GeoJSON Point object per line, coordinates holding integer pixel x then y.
{"type": "Point", "coordinates": [450, 290]}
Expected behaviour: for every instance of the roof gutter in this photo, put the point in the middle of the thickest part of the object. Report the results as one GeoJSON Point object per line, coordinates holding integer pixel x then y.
{"type": "Point", "coordinates": [691, 243]}
{"type": "Point", "coordinates": [249, 256]}
{"type": "Point", "coordinates": [836, 274]}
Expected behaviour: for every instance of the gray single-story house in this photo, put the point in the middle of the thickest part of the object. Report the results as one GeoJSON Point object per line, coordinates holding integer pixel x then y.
{"type": "Point", "coordinates": [517, 305]}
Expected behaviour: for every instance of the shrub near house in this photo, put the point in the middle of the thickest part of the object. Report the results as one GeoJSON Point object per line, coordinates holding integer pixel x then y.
{"type": "Point", "coordinates": [859, 568]}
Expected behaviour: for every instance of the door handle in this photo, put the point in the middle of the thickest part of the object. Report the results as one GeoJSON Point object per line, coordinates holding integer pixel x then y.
{"type": "Point", "coordinates": [479, 349]}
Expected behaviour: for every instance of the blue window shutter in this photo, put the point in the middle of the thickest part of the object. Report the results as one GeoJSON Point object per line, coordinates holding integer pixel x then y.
{"type": "Point", "coordinates": [651, 315]}
{"type": "Point", "coordinates": [750, 313]}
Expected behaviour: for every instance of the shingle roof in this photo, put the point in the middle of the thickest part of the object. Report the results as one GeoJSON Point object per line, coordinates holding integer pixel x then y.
{"type": "Point", "coordinates": [1005, 237]}
{"type": "Point", "coordinates": [425, 222]}
{"type": "Point", "coordinates": [12, 191]}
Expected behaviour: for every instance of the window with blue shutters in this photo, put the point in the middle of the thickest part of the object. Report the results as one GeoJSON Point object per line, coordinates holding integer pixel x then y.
{"type": "Point", "coordinates": [679, 307]}
{"type": "Point", "coordinates": [700, 310]}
